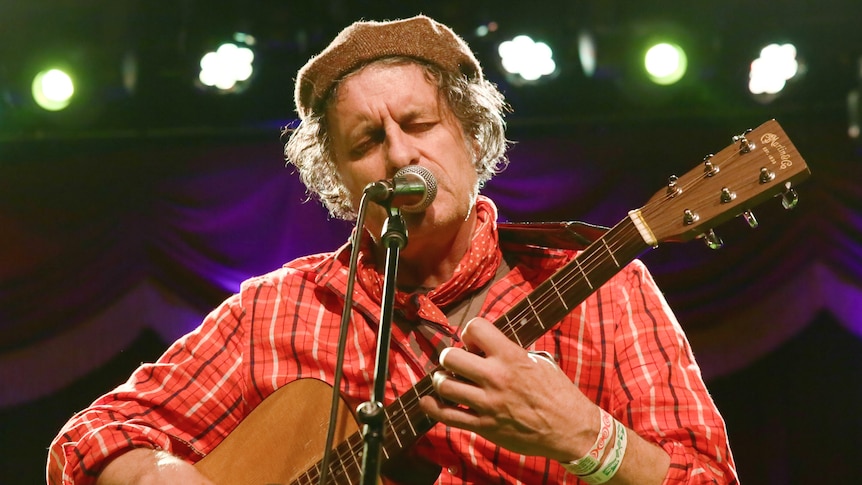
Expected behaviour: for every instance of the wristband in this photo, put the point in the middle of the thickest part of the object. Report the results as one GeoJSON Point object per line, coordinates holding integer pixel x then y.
{"type": "Point", "coordinates": [612, 463]}
{"type": "Point", "coordinates": [589, 463]}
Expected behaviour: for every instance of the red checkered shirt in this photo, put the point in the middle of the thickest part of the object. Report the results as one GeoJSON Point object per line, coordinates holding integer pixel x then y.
{"type": "Point", "coordinates": [622, 347]}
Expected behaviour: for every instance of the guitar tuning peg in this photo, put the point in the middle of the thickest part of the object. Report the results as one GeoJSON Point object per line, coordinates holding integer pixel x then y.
{"type": "Point", "coordinates": [672, 189]}
{"type": "Point", "coordinates": [750, 219]}
{"type": "Point", "coordinates": [789, 198]}
{"type": "Point", "coordinates": [712, 240]}
{"type": "Point", "coordinates": [766, 175]}
{"type": "Point", "coordinates": [745, 146]}
{"type": "Point", "coordinates": [709, 169]}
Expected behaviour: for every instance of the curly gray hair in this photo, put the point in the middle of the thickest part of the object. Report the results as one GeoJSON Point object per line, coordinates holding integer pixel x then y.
{"type": "Point", "coordinates": [477, 103]}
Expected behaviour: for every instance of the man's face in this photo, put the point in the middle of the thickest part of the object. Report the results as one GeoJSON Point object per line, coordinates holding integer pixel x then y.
{"type": "Point", "coordinates": [386, 117]}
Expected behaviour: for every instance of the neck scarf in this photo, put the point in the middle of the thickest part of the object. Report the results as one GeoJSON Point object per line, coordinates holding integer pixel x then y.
{"type": "Point", "coordinates": [477, 267]}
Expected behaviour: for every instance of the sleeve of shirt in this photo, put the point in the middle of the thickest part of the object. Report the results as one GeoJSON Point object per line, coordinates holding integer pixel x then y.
{"type": "Point", "coordinates": [184, 403]}
{"type": "Point", "coordinates": [661, 394]}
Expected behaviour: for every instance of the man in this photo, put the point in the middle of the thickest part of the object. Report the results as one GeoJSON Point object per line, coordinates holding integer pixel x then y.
{"type": "Point", "coordinates": [610, 395]}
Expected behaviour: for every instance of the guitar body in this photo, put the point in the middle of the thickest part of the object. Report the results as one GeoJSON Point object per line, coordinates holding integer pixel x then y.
{"type": "Point", "coordinates": [281, 439]}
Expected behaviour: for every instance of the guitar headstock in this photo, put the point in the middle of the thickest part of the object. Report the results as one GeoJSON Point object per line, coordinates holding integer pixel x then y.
{"type": "Point", "coordinates": [760, 164]}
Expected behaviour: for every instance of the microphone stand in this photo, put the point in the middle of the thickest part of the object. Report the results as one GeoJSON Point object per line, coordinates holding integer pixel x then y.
{"type": "Point", "coordinates": [371, 413]}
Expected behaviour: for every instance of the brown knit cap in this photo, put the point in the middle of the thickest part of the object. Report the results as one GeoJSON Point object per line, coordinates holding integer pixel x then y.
{"type": "Point", "coordinates": [419, 37]}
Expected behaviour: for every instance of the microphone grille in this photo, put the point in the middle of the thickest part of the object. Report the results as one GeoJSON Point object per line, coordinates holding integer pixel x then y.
{"type": "Point", "coordinates": [427, 179]}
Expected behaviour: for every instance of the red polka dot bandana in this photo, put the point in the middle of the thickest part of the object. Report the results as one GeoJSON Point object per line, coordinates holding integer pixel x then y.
{"type": "Point", "coordinates": [476, 268]}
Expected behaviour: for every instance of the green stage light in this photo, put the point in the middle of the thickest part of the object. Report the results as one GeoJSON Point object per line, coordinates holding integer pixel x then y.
{"type": "Point", "coordinates": [665, 63]}
{"type": "Point", "coordinates": [53, 89]}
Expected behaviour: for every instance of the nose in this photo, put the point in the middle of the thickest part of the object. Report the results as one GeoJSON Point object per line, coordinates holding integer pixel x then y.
{"type": "Point", "coordinates": [401, 149]}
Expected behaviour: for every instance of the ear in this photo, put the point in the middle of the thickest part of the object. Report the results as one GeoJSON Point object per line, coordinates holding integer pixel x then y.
{"type": "Point", "coordinates": [477, 147]}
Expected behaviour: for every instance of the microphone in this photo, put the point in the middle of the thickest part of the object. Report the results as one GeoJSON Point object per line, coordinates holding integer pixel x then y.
{"type": "Point", "coordinates": [412, 189]}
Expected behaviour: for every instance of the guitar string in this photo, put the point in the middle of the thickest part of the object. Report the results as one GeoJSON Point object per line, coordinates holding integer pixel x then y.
{"type": "Point", "coordinates": [614, 244]}
{"type": "Point", "coordinates": [721, 164]}
{"type": "Point", "coordinates": [547, 299]}
{"type": "Point", "coordinates": [354, 444]}
{"type": "Point", "coordinates": [344, 470]}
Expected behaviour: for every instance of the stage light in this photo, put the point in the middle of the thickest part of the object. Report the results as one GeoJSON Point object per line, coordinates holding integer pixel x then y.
{"type": "Point", "coordinates": [526, 59]}
{"type": "Point", "coordinates": [854, 107]}
{"type": "Point", "coordinates": [665, 63]}
{"type": "Point", "coordinates": [853, 114]}
{"type": "Point", "coordinates": [770, 72]}
{"type": "Point", "coordinates": [53, 89]}
{"type": "Point", "coordinates": [229, 67]}
{"type": "Point", "coordinates": [587, 53]}
{"type": "Point", "coordinates": [485, 29]}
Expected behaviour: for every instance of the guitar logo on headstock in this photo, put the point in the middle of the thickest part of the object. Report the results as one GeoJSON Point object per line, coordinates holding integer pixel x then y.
{"type": "Point", "coordinates": [771, 140]}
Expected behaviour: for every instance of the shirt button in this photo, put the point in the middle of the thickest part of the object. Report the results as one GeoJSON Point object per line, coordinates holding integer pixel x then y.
{"type": "Point", "coordinates": [453, 470]}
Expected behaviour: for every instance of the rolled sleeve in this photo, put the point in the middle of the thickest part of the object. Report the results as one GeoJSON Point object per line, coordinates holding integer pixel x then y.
{"type": "Point", "coordinates": [661, 393]}
{"type": "Point", "coordinates": [184, 403]}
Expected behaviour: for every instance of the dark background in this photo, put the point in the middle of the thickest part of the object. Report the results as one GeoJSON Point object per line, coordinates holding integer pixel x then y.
{"type": "Point", "coordinates": [126, 217]}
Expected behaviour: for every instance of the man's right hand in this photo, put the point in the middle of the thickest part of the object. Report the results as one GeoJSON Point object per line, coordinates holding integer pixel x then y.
{"type": "Point", "coordinates": [144, 466]}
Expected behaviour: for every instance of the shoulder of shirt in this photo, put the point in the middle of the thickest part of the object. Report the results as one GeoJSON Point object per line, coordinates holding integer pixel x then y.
{"type": "Point", "coordinates": [305, 267]}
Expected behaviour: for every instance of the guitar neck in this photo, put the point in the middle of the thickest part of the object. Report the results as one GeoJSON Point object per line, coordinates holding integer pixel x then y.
{"type": "Point", "coordinates": [555, 298]}
{"type": "Point", "coordinates": [524, 323]}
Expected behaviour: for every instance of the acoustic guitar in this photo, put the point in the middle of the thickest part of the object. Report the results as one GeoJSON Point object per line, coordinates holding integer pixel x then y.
{"type": "Point", "coordinates": [282, 440]}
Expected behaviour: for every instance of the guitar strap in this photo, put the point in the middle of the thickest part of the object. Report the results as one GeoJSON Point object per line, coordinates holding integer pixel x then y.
{"type": "Point", "coordinates": [559, 235]}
